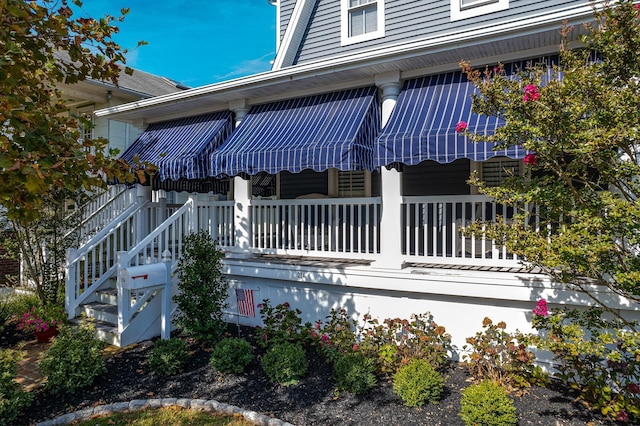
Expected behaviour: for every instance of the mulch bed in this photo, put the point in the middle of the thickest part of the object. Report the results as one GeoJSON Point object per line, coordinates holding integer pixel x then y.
{"type": "Point", "coordinates": [313, 401]}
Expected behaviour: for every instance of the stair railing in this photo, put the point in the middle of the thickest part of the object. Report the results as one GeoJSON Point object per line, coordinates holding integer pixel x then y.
{"type": "Point", "coordinates": [164, 243]}
{"type": "Point", "coordinates": [91, 265]}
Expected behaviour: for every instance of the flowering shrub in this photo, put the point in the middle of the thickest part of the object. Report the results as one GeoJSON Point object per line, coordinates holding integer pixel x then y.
{"type": "Point", "coordinates": [599, 358]}
{"type": "Point", "coordinates": [40, 319]}
{"type": "Point", "coordinates": [501, 357]}
{"type": "Point", "coordinates": [281, 324]}
{"type": "Point", "coordinates": [396, 342]}
{"type": "Point", "coordinates": [337, 337]}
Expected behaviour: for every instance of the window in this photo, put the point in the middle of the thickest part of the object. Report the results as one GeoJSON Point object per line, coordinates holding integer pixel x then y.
{"type": "Point", "coordinates": [86, 126]}
{"type": "Point", "coordinates": [462, 9]}
{"type": "Point", "coordinates": [495, 171]}
{"type": "Point", "coordinates": [362, 20]}
{"type": "Point", "coordinates": [351, 184]}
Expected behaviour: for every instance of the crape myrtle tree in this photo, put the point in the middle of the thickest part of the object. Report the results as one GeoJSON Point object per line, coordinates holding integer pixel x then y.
{"type": "Point", "coordinates": [581, 128]}
{"type": "Point", "coordinates": [42, 158]}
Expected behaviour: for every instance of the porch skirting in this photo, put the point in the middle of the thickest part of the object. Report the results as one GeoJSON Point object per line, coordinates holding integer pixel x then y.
{"type": "Point", "coordinates": [458, 299]}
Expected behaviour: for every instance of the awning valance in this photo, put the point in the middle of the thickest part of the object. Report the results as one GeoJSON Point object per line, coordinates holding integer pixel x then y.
{"type": "Point", "coordinates": [423, 123]}
{"type": "Point", "coordinates": [181, 148]}
{"type": "Point", "coordinates": [317, 132]}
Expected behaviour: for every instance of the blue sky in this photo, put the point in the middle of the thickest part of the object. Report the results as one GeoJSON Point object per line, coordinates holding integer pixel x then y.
{"type": "Point", "coordinates": [196, 42]}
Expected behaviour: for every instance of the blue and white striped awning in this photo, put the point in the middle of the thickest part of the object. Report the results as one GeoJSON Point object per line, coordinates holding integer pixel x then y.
{"type": "Point", "coordinates": [317, 132]}
{"type": "Point", "coordinates": [423, 123]}
{"type": "Point", "coordinates": [181, 148]}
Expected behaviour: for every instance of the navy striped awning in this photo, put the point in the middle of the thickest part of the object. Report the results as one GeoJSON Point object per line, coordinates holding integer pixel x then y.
{"type": "Point", "coordinates": [423, 123]}
{"type": "Point", "coordinates": [317, 132]}
{"type": "Point", "coordinates": [181, 148]}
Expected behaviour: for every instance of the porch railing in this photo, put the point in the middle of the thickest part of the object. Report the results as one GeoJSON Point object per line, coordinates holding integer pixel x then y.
{"type": "Point", "coordinates": [349, 227]}
{"type": "Point", "coordinates": [432, 230]}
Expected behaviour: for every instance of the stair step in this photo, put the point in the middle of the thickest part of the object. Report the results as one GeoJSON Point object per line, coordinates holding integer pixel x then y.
{"type": "Point", "coordinates": [107, 296]}
{"type": "Point", "coordinates": [105, 312]}
{"type": "Point", "coordinates": [104, 331]}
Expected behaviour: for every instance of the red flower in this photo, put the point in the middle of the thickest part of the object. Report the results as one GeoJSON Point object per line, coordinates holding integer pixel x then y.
{"type": "Point", "coordinates": [530, 159]}
{"type": "Point", "coordinates": [541, 309]}
{"type": "Point", "coordinates": [622, 416]}
{"type": "Point", "coordinates": [633, 388]}
{"type": "Point", "coordinates": [531, 93]}
{"type": "Point", "coordinates": [461, 126]}
{"type": "Point", "coordinates": [286, 305]}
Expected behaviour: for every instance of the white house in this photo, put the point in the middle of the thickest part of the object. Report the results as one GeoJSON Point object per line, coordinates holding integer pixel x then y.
{"type": "Point", "coordinates": [335, 180]}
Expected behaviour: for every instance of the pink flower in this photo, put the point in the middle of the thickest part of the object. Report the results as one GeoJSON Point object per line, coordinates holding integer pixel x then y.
{"type": "Point", "coordinates": [286, 305]}
{"type": "Point", "coordinates": [541, 309]}
{"type": "Point", "coordinates": [633, 388]}
{"type": "Point", "coordinates": [461, 126]}
{"type": "Point", "coordinates": [259, 305]}
{"type": "Point", "coordinates": [530, 159]}
{"type": "Point", "coordinates": [355, 347]}
{"type": "Point", "coordinates": [531, 93]}
{"type": "Point", "coordinates": [622, 416]}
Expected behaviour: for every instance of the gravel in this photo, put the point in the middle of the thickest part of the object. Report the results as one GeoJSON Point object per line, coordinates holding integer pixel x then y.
{"type": "Point", "coordinates": [313, 401]}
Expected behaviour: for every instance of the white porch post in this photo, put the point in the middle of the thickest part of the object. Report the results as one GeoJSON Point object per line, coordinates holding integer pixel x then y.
{"type": "Point", "coordinates": [143, 194]}
{"type": "Point", "coordinates": [391, 187]}
{"type": "Point", "coordinates": [241, 195]}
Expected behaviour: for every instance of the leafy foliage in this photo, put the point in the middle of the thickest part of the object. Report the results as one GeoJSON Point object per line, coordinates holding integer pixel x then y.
{"type": "Point", "coordinates": [203, 288]}
{"type": "Point", "coordinates": [337, 337]}
{"type": "Point", "coordinates": [582, 132]}
{"type": "Point", "coordinates": [500, 356]}
{"type": "Point", "coordinates": [396, 342]}
{"type": "Point", "coordinates": [74, 360]}
{"type": "Point", "coordinates": [417, 383]}
{"type": "Point", "coordinates": [231, 355]}
{"type": "Point", "coordinates": [285, 363]}
{"type": "Point", "coordinates": [597, 357]}
{"type": "Point", "coordinates": [354, 372]}
{"type": "Point", "coordinates": [169, 356]}
{"type": "Point", "coordinates": [39, 143]}
{"type": "Point", "coordinates": [487, 403]}
{"type": "Point", "coordinates": [280, 324]}
{"type": "Point", "coordinates": [12, 398]}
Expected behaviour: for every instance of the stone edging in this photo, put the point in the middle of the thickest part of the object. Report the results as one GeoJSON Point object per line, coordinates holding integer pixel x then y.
{"type": "Point", "coordinates": [142, 404]}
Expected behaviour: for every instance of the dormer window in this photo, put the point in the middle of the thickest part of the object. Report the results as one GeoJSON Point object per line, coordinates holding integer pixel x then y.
{"type": "Point", "coordinates": [463, 9]}
{"type": "Point", "coordinates": [362, 20]}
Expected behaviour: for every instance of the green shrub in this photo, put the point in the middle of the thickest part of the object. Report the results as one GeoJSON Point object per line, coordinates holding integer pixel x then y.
{"type": "Point", "coordinates": [337, 337]}
{"type": "Point", "coordinates": [285, 363]}
{"type": "Point", "coordinates": [598, 358]}
{"type": "Point", "coordinates": [231, 355]}
{"type": "Point", "coordinates": [280, 324]}
{"type": "Point", "coordinates": [203, 289]}
{"type": "Point", "coordinates": [169, 356]}
{"type": "Point", "coordinates": [397, 341]}
{"type": "Point", "coordinates": [487, 403]}
{"type": "Point", "coordinates": [12, 398]}
{"type": "Point", "coordinates": [74, 360]}
{"type": "Point", "coordinates": [501, 356]}
{"type": "Point", "coordinates": [418, 383]}
{"type": "Point", "coordinates": [355, 373]}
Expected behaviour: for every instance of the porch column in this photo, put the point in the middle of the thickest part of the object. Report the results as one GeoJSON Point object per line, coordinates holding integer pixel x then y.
{"type": "Point", "coordinates": [391, 185]}
{"type": "Point", "coordinates": [241, 195]}
{"type": "Point", "coordinates": [143, 194]}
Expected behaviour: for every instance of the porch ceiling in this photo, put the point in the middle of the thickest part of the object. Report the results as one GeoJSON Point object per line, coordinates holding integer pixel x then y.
{"type": "Point", "coordinates": [413, 60]}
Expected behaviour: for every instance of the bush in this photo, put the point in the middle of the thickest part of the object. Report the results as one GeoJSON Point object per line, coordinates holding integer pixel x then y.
{"type": "Point", "coordinates": [74, 360]}
{"type": "Point", "coordinates": [397, 341]}
{"type": "Point", "coordinates": [231, 355]}
{"type": "Point", "coordinates": [285, 363]}
{"type": "Point", "coordinates": [354, 372]}
{"type": "Point", "coordinates": [418, 383]}
{"type": "Point", "coordinates": [487, 403]}
{"type": "Point", "coordinates": [12, 398]}
{"type": "Point", "coordinates": [280, 324]}
{"type": "Point", "coordinates": [598, 358]}
{"type": "Point", "coordinates": [203, 289]}
{"type": "Point", "coordinates": [337, 337]}
{"type": "Point", "coordinates": [169, 356]}
{"type": "Point", "coordinates": [502, 357]}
